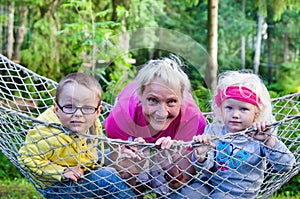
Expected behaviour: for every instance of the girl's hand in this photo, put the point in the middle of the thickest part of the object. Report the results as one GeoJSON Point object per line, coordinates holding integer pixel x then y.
{"type": "Point", "coordinates": [206, 145]}
{"type": "Point", "coordinates": [165, 142]}
{"type": "Point", "coordinates": [262, 135]}
{"type": "Point", "coordinates": [130, 151]}
{"type": "Point", "coordinates": [72, 173]}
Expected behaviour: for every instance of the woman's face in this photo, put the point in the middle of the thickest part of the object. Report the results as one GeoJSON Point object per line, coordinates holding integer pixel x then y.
{"type": "Point", "coordinates": [161, 104]}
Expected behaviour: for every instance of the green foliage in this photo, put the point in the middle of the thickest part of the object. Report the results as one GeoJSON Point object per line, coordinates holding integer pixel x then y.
{"type": "Point", "coordinates": [202, 97]}
{"type": "Point", "coordinates": [289, 82]}
{"type": "Point", "coordinates": [119, 77]}
{"type": "Point", "coordinates": [67, 36]}
{"type": "Point", "coordinates": [290, 189]}
{"type": "Point", "coordinates": [7, 169]}
{"type": "Point", "coordinates": [41, 56]}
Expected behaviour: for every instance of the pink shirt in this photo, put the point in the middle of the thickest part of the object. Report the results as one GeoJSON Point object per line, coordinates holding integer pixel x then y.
{"type": "Point", "coordinates": [126, 119]}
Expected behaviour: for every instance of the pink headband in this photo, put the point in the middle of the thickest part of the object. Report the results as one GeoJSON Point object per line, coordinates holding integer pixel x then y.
{"type": "Point", "coordinates": [240, 93]}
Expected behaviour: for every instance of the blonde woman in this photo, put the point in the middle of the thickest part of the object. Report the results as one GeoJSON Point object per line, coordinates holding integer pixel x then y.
{"type": "Point", "coordinates": [157, 107]}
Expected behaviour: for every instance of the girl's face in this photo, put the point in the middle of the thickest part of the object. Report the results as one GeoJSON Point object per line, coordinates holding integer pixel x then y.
{"type": "Point", "coordinates": [161, 105]}
{"type": "Point", "coordinates": [238, 115]}
{"type": "Point", "coordinates": [78, 96]}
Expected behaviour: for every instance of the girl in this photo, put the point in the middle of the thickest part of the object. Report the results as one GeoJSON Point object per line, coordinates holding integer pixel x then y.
{"type": "Point", "coordinates": [235, 168]}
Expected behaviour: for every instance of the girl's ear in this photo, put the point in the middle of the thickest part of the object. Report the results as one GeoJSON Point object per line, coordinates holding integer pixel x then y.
{"type": "Point", "coordinates": [256, 115]}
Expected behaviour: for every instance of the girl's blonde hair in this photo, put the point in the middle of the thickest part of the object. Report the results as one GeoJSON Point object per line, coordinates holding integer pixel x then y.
{"type": "Point", "coordinates": [250, 81]}
{"type": "Point", "coordinates": [168, 70]}
{"type": "Point", "coordinates": [83, 79]}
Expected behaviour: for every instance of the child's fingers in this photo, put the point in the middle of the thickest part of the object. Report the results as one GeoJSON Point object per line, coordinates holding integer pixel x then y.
{"type": "Point", "coordinates": [73, 178]}
{"type": "Point", "coordinates": [77, 172]}
{"type": "Point", "coordinates": [212, 145]}
{"type": "Point", "coordinates": [73, 173]}
{"type": "Point", "coordinates": [204, 139]}
{"type": "Point", "coordinates": [260, 126]}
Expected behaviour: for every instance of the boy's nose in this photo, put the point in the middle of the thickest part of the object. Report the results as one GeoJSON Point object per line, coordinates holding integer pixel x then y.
{"type": "Point", "coordinates": [78, 112]}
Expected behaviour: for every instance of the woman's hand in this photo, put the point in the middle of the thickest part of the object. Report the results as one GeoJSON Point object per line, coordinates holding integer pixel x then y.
{"type": "Point", "coordinates": [205, 146]}
{"type": "Point", "coordinates": [165, 142]}
{"type": "Point", "coordinates": [261, 134]}
{"type": "Point", "coordinates": [72, 173]}
{"type": "Point", "coordinates": [165, 157]}
{"type": "Point", "coordinates": [132, 151]}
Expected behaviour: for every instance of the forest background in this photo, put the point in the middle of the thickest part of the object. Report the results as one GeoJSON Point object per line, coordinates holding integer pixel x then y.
{"type": "Point", "coordinates": [113, 38]}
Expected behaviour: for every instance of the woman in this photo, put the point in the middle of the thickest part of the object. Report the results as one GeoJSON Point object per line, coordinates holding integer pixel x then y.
{"type": "Point", "coordinates": [157, 107]}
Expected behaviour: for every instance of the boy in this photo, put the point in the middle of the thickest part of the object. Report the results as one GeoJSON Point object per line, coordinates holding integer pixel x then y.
{"type": "Point", "coordinates": [66, 165]}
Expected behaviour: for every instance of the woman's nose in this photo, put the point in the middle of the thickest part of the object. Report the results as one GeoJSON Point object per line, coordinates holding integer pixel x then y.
{"type": "Point", "coordinates": [162, 110]}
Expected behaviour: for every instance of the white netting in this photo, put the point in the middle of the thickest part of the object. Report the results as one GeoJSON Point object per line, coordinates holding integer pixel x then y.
{"type": "Point", "coordinates": [24, 95]}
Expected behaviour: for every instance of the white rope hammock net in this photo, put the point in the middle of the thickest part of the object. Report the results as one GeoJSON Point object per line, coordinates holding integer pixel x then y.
{"type": "Point", "coordinates": [24, 95]}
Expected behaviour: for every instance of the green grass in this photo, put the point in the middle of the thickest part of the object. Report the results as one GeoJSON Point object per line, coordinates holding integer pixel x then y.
{"type": "Point", "coordinates": [285, 197]}
{"type": "Point", "coordinates": [22, 189]}
{"type": "Point", "coordinates": [18, 189]}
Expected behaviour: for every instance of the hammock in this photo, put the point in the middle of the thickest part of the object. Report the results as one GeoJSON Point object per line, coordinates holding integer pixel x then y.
{"type": "Point", "coordinates": [24, 95]}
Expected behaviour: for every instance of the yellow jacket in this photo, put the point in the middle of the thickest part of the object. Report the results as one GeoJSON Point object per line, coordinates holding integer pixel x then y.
{"type": "Point", "coordinates": [47, 151]}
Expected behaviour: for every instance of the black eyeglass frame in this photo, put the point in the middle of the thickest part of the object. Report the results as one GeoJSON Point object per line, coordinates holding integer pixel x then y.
{"type": "Point", "coordinates": [77, 107]}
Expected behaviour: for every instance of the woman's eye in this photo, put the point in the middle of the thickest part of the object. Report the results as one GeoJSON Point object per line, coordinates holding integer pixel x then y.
{"type": "Point", "coordinates": [152, 100]}
{"type": "Point", "coordinates": [172, 102]}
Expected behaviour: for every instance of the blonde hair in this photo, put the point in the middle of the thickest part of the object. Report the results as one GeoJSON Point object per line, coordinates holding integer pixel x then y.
{"type": "Point", "coordinates": [83, 79]}
{"type": "Point", "coordinates": [168, 70]}
{"type": "Point", "coordinates": [252, 82]}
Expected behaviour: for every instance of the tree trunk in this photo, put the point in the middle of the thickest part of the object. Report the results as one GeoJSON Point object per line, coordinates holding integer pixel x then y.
{"type": "Point", "coordinates": [20, 33]}
{"type": "Point", "coordinates": [286, 47]}
{"type": "Point", "coordinates": [269, 52]}
{"type": "Point", "coordinates": [2, 41]}
{"type": "Point", "coordinates": [243, 43]}
{"type": "Point", "coordinates": [53, 10]}
{"type": "Point", "coordinates": [258, 43]}
{"type": "Point", "coordinates": [212, 45]}
{"type": "Point", "coordinates": [10, 30]}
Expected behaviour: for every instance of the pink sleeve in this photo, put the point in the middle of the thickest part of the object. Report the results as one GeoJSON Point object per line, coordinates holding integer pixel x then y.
{"type": "Point", "coordinates": [123, 122]}
{"type": "Point", "coordinates": [119, 117]}
{"type": "Point", "coordinates": [112, 129]}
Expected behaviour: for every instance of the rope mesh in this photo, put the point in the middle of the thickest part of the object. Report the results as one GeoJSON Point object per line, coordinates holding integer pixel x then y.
{"type": "Point", "coordinates": [24, 95]}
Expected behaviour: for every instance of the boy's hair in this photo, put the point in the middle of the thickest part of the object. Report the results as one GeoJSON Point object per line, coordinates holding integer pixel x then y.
{"type": "Point", "coordinates": [81, 79]}
{"type": "Point", "coordinates": [168, 70]}
{"type": "Point", "coordinates": [251, 81]}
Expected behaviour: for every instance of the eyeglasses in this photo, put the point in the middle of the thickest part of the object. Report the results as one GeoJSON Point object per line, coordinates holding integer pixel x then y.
{"type": "Point", "coordinates": [71, 109]}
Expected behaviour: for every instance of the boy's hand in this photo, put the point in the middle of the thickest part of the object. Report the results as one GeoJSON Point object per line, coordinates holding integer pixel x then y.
{"type": "Point", "coordinates": [206, 145]}
{"type": "Point", "coordinates": [72, 173]}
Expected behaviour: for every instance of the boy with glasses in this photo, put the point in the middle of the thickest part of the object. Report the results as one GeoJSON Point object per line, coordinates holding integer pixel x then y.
{"type": "Point", "coordinates": [70, 165]}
